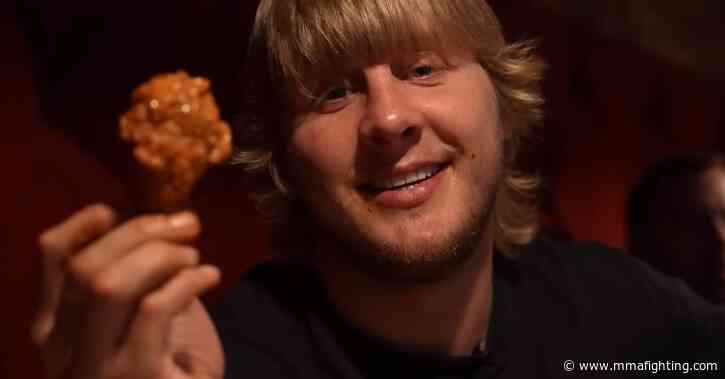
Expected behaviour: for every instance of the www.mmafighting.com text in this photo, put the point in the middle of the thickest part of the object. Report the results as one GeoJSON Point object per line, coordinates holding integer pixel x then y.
{"type": "Point", "coordinates": [652, 367]}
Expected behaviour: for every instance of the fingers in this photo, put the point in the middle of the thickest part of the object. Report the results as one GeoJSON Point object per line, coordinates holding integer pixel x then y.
{"type": "Point", "coordinates": [95, 277]}
{"type": "Point", "coordinates": [148, 335]}
{"type": "Point", "coordinates": [119, 288]}
{"type": "Point", "coordinates": [57, 244]}
{"type": "Point", "coordinates": [180, 227]}
{"type": "Point", "coordinates": [57, 348]}
{"type": "Point", "coordinates": [79, 229]}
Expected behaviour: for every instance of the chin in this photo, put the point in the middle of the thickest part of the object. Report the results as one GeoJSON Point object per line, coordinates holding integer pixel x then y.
{"type": "Point", "coordinates": [414, 252]}
{"type": "Point", "coordinates": [421, 245]}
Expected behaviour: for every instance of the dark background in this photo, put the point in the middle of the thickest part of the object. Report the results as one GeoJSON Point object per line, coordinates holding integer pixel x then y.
{"type": "Point", "coordinates": [628, 84]}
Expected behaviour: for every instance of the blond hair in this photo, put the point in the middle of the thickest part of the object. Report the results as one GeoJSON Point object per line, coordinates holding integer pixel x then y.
{"type": "Point", "coordinates": [296, 42]}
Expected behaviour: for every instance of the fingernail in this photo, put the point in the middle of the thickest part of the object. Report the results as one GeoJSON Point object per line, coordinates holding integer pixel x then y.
{"type": "Point", "coordinates": [182, 219]}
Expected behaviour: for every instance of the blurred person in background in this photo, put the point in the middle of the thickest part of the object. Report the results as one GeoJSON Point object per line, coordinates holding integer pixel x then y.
{"type": "Point", "coordinates": [676, 220]}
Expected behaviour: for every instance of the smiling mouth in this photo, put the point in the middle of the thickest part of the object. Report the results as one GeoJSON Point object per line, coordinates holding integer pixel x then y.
{"type": "Point", "coordinates": [403, 182]}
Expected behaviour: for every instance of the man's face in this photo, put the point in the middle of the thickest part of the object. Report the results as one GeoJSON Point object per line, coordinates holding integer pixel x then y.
{"type": "Point", "coordinates": [399, 161]}
{"type": "Point", "coordinates": [712, 195]}
{"type": "Point", "coordinates": [692, 232]}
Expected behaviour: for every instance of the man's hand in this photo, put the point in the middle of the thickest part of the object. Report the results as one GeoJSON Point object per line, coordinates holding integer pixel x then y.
{"type": "Point", "coordinates": [121, 301]}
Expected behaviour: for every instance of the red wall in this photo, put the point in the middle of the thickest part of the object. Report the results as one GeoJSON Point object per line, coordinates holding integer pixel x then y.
{"type": "Point", "coordinates": [613, 109]}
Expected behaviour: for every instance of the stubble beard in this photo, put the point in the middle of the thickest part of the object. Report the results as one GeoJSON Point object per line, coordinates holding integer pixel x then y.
{"type": "Point", "coordinates": [394, 263]}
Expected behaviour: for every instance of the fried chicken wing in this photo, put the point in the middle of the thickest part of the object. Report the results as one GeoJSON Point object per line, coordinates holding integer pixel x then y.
{"type": "Point", "coordinates": [177, 131]}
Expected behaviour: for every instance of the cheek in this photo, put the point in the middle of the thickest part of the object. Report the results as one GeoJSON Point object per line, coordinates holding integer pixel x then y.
{"type": "Point", "coordinates": [322, 150]}
{"type": "Point", "coordinates": [481, 136]}
{"type": "Point", "coordinates": [486, 113]}
{"type": "Point", "coordinates": [471, 121]}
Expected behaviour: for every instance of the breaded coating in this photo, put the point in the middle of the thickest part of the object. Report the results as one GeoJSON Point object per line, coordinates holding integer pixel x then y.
{"type": "Point", "coordinates": [177, 131]}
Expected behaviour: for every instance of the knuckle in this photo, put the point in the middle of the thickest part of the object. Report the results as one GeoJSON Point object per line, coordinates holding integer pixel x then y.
{"type": "Point", "coordinates": [156, 248]}
{"type": "Point", "coordinates": [189, 254]}
{"type": "Point", "coordinates": [147, 226]}
{"type": "Point", "coordinates": [102, 214]}
{"type": "Point", "coordinates": [108, 289]}
{"type": "Point", "coordinates": [46, 239]}
{"type": "Point", "coordinates": [78, 227]}
{"type": "Point", "coordinates": [52, 257]}
{"type": "Point", "coordinates": [48, 243]}
{"type": "Point", "coordinates": [38, 333]}
{"type": "Point", "coordinates": [80, 273]}
{"type": "Point", "coordinates": [188, 279]}
{"type": "Point", "coordinates": [152, 305]}
{"type": "Point", "coordinates": [184, 255]}
{"type": "Point", "coordinates": [100, 210]}
{"type": "Point", "coordinates": [180, 256]}
{"type": "Point", "coordinates": [160, 251]}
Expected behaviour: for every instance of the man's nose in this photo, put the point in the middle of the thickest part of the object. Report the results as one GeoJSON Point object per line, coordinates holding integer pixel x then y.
{"type": "Point", "coordinates": [392, 122]}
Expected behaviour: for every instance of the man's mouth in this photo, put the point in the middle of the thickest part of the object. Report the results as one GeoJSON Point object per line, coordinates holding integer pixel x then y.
{"type": "Point", "coordinates": [403, 181]}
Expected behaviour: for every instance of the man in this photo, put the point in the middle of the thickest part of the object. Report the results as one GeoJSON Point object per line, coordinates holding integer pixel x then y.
{"type": "Point", "coordinates": [383, 134]}
{"type": "Point", "coordinates": [676, 218]}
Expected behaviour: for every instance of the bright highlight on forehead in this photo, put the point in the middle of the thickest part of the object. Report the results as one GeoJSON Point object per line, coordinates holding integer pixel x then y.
{"type": "Point", "coordinates": [327, 38]}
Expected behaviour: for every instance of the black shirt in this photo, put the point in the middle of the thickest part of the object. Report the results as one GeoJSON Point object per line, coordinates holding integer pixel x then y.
{"type": "Point", "coordinates": [552, 304]}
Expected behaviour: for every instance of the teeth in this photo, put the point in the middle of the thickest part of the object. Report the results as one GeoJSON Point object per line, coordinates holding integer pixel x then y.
{"type": "Point", "coordinates": [410, 178]}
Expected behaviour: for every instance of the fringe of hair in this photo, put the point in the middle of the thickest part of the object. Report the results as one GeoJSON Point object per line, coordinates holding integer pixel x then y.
{"type": "Point", "coordinates": [515, 70]}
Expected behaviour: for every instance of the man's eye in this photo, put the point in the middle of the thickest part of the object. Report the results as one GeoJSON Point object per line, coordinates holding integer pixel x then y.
{"type": "Point", "coordinates": [333, 99]}
{"type": "Point", "coordinates": [422, 71]}
{"type": "Point", "coordinates": [335, 93]}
